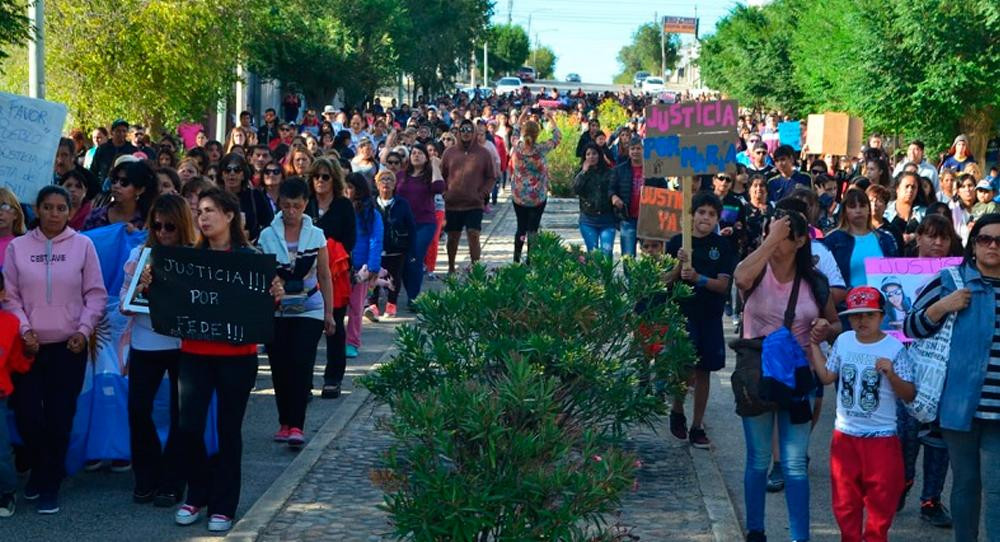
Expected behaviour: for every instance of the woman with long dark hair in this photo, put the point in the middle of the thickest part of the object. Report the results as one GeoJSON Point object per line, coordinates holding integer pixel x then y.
{"type": "Point", "coordinates": [418, 184]}
{"type": "Point", "coordinates": [366, 258]}
{"type": "Point", "coordinates": [133, 189]}
{"type": "Point", "coordinates": [55, 288]}
{"type": "Point", "coordinates": [969, 406]}
{"type": "Point", "coordinates": [255, 209]}
{"type": "Point", "coordinates": [766, 279]}
{"type": "Point", "coordinates": [207, 368]}
{"type": "Point", "coordinates": [906, 211]}
{"type": "Point", "coordinates": [854, 239]}
{"type": "Point", "coordinates": [157, 469]}
{"type": "Point", "coordinates": [593, 185]}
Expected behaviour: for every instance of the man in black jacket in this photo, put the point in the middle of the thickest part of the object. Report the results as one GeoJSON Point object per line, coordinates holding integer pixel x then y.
{"type": "Point", "coordinates": [104, 156]}
{"type": "Point", "coordinates": [626, 187]}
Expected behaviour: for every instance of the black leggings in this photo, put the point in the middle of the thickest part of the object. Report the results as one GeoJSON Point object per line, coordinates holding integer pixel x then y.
{"type": "Point", "coordinates": [336, 357]}
{"type": "Point", "coordinates": [156, 467]}
{"type": "Point", "coordinates": [393, 263]}
{"type": "Point", "coordinates": [292, 356]}
{"type": "Point", "coordinates": [529, 219]}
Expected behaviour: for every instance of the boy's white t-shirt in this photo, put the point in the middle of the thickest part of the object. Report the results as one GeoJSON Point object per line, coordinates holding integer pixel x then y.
{"type": "Point", "coordinates": [866, 404]}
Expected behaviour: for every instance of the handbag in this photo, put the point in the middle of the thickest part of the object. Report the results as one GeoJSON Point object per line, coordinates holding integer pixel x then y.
{"type": "Point", "coordinates": [929, 359]}
{"type": "Point", "coordinates": [746, 377]}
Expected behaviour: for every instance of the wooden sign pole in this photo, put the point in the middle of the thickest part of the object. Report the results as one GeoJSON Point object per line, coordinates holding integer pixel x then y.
{"type": "Point", "coordinates": [687, 186]}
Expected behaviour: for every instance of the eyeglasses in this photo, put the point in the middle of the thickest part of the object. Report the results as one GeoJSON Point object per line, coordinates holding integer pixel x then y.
{"type": "Point", "coordinates": [723, 178]}
{"type": "Point", "coordinates": [6, 207]}
{"type": "Point", "coordinates": [168, 227]}
{"type": "Point", "coordinates": [272, 171]}
{"type": "Point", "coordinates": [894, 293]}
{"type": "Point", "coordinates": [233, 169]}
{"type": "Point", "coordinates": [983, 240]}
{"type": "Point", "coordinates": [465, 129]}
{"type": "Point", "coordinates": [121, 181]}
{"type": "Point", "coordinates": [392, 162]}
{"type": "Point", "coordinates": [817, 172]}
{"type": "Point", "coordinates": [325, 177]}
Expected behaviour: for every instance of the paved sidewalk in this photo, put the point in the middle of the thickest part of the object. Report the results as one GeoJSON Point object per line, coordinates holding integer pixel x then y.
{"type": "Point", "coordinates": [680, 494]}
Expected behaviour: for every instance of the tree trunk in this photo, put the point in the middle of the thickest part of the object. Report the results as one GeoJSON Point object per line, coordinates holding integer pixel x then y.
{"type": "Point", "coordinates": [978, 124]}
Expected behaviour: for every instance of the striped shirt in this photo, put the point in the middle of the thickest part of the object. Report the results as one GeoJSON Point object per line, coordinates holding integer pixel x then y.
{"type": "Point", "coordinates": [989, 399]}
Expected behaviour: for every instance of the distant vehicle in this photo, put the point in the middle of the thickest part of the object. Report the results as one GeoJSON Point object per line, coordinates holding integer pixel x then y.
{"type": "Point", "coordinates": [526, 74]}
{"type": "Point", "coordinates": [484, 92]}
{"type": "Point", "coordinates": [639, 78]}
{"type": "Point", "coordinates": [652, 85]}
{"type": "Point", "coordinates": [573, 78]}
{"type": "Point", "coordinates": [507, 85]}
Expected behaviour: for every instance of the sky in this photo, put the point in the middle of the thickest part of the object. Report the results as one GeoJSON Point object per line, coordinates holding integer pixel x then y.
{"type": "Point", "coordinates": [587, 34]}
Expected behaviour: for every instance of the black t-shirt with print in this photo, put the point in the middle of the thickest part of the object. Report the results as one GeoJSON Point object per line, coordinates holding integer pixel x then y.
{"type": "Point", "coordinates": [713, 255]}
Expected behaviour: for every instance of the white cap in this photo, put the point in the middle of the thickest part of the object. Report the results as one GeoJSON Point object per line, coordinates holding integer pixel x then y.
{"type": "Point", "coordinates": [329, 109]}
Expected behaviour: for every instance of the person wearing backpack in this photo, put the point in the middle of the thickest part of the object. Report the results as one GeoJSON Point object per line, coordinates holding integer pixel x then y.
{"type": "Point", "coordinates": [399, 231]}
{"type": "Point", "coordinates": [780, 289]}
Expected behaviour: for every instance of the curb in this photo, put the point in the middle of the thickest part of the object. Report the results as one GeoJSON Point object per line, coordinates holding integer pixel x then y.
{"type": "Point", "coordinates": [253, 523]}
{"type": "Point", "coordinates": [718, 504]}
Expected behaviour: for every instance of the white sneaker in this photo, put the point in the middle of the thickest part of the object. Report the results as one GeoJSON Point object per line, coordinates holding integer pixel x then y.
{"type": "Point", "coordinates": [219, 523]}
{"type": "Point", "coordinates": [187, 514]}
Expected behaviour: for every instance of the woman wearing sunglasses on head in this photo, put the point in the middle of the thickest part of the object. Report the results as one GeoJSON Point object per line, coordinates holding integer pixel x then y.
{"type": "Point", "coordinates": [969, 407]}
{"type": "Point", "coordinates": [157, 472]}
{"type": "Point", "coordinates": [235, 175]}
{"type": "Point", "coordinates": [133, 189]}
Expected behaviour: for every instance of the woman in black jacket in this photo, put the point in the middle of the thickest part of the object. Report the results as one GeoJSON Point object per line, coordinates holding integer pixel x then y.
{"type": "Point", "coordinates": [235, 173]}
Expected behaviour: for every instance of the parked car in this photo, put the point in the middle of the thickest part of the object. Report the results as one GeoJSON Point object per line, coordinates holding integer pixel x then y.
{"type": "Point", "coordinates": [507, 85]}
{"type": "Point", "coordinates": [653, 85]}
{"type": "Point", "coordinates": [484, 92]}
{"type": "Point", "coordinates": [573, 78]}
{"type": "Point", "coordinates": [639, 78]}
{"type": "Point", "coordinates": [526, 74]}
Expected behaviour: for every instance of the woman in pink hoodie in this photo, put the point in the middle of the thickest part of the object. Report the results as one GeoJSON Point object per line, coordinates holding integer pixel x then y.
{"type": "Point", "coordinates": [56, 290]}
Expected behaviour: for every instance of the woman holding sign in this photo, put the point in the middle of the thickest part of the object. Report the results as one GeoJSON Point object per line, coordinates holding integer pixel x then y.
{"type": "Point", "coordinates": [305, 311]}
{"type": "Point", "coordinates": [55, 288]}
{"type": "Point", "coordinates": [226, 370]}
{"type": "Point", "coordinates": [150, 356]}
{"type": "Point", "coordinates": [969, 405]}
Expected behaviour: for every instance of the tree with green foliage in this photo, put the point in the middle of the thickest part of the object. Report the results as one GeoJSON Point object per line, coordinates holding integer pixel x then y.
{"type": "Point", "coordinates": [508, 48]}
{"type": "Point", "coordinates": [15, 29]}
{"type": "Point", "coordinates": [543, 59]}
{"type": "Point", "coordinates": [644, 53]}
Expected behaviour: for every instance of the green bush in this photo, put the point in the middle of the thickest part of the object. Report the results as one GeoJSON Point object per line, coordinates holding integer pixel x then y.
{"type": "Point", "coordinates": [512, 392]}
{"type": "Point", "coordinates": [612, 115]}
{"type": "Point", "coordinates": [562, 160]}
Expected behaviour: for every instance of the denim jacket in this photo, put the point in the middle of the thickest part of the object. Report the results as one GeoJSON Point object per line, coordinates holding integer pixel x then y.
{"type": "Point", "coordinates": [971, 339]}
{"type": "Point", "coordinates": [841, 244]}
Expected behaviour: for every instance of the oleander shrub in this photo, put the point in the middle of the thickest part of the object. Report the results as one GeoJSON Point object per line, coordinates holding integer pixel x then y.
{"type": "Point", "coordinates": [562, 160]}
{"type": "Point", "coordinates": [511, 394]}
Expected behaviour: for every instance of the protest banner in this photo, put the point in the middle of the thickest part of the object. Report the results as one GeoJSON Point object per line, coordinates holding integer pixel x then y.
{"type": "Point", "coordinates": [660, 213]}
{"type": "Point", "coordinates": [900, 281]}
{"type": "Point", "coordinates": [790, 133]}
{"type": "Point", "coordinates": [211, 295]}
{"type": "Point", "coordinates": [29, 136]}
{"type": "Point", "coordinates": [834, 133]}
{"type": "Point", "coordinates": [690, 138]}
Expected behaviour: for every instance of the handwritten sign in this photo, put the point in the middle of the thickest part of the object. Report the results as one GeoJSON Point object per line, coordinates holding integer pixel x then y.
{"type": "Point", "coordinates": [29, 135]}
{"type": "Point", "coordinates": [790, 133]}
{"type": "Point", "coordinates": [690, 138]}
{"type": "Point", "coordinates": [211, 295]}
{"type": "Point", "coordinates": [660, 212]}
{"type": "Point", "coordinates": [900, 281]}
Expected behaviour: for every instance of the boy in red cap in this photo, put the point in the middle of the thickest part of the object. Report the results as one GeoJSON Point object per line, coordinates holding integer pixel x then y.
{"type": "Point", "coordinates": [866, 461]}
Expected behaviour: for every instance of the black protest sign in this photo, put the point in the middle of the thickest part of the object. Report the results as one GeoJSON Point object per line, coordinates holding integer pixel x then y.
{"type": "Point", "coordinates": [211, 295]}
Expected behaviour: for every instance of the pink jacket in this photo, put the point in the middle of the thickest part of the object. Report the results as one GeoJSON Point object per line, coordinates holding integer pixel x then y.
{"type": "Point", "coordinates": [54, 286]}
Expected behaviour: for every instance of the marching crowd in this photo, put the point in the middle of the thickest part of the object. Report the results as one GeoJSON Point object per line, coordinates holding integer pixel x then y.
{"type": "Point", "coordinates": [353, 203]}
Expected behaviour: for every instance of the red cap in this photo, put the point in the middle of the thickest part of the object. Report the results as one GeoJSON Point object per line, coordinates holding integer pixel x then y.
{"type": "Point", "coordinates": [864, 299]}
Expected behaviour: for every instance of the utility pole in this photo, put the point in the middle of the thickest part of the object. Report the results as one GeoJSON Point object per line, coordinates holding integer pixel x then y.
{"type": "Point", "coordinates": [510, 8]}
{"type": "Point", "coordinates": [534, 55]}
{"type": "Point", "coordinates": [663, 51]}
{"type": "Point", "coordinates": [486, 64]}
{"type": "Point", "coordinates": [36, 50]}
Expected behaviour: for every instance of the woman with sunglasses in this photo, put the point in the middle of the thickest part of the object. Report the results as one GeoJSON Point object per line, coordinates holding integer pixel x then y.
{"type": "Point", "coordinates": [766, 279]}
{"type": "Point", "coordinates": [332, 212]}
{"type": "Point", "coordinates": [133, 188]}
{"type": "Point", "coordinates": [11, 220]}
{"type": "Point", "coordinates": [207, 368]}
{"type": "Point", "coordinates": [59, 298]}
{"type": "Point", "coordinates": [272, 176]}
{"type": "Point", "coordinates": [969, 406]}
{"type": "Point", "coordinates": [254, 206]}
{"type": "Point", "coordinates": [157, 469]}
{"type": "Point", "coordinates": [419, 184]}
{"type": "Point", "coordinates": [305, 312]}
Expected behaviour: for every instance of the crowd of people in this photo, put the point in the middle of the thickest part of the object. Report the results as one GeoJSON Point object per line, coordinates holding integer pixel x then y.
{"type": "Point", "coordinates": [353, 203]}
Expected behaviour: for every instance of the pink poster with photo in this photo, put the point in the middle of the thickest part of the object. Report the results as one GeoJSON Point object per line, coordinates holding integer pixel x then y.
{"type": "Point", "coordinates": [901, 280]}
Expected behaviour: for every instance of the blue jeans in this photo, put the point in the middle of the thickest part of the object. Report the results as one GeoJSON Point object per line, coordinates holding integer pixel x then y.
{"type": "Point", "coordinates": [628, 238]}
{"type": "Point", "coordinates": [8, 476]}
{"type": "Point", "coordinates": [413, 275]}
{"type": "Point", "coordinates": [793, 440]}
{"type": "Point", "coordinates": [974, 457]}
{"type": "Point", "coordinates": [602, 238]}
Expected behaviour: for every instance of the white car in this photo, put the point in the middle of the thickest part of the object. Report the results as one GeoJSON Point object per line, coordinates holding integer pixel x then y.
{"type": "Point", "coordinates": [507, 85]}
{"type": "Point", "coordinates": [653, 85]}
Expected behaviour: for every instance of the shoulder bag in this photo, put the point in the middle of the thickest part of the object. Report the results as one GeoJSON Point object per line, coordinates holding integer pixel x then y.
{"type": "Point", "coordinates": [929, 358]}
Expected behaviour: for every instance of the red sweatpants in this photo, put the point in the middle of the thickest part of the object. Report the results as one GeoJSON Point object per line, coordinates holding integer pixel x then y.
{"type": "Point", "coordinates": [431, 258]}
{"type": "Point", "coordinates": [867, 476]}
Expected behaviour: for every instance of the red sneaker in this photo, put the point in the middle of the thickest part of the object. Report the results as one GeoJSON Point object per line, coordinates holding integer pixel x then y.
{"type": "Point", "coordinates": [390, 310]}
{"type": "Point", "coordinates": [282, 434]}
{"type": "Point", "coordinates": [296, 439]}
